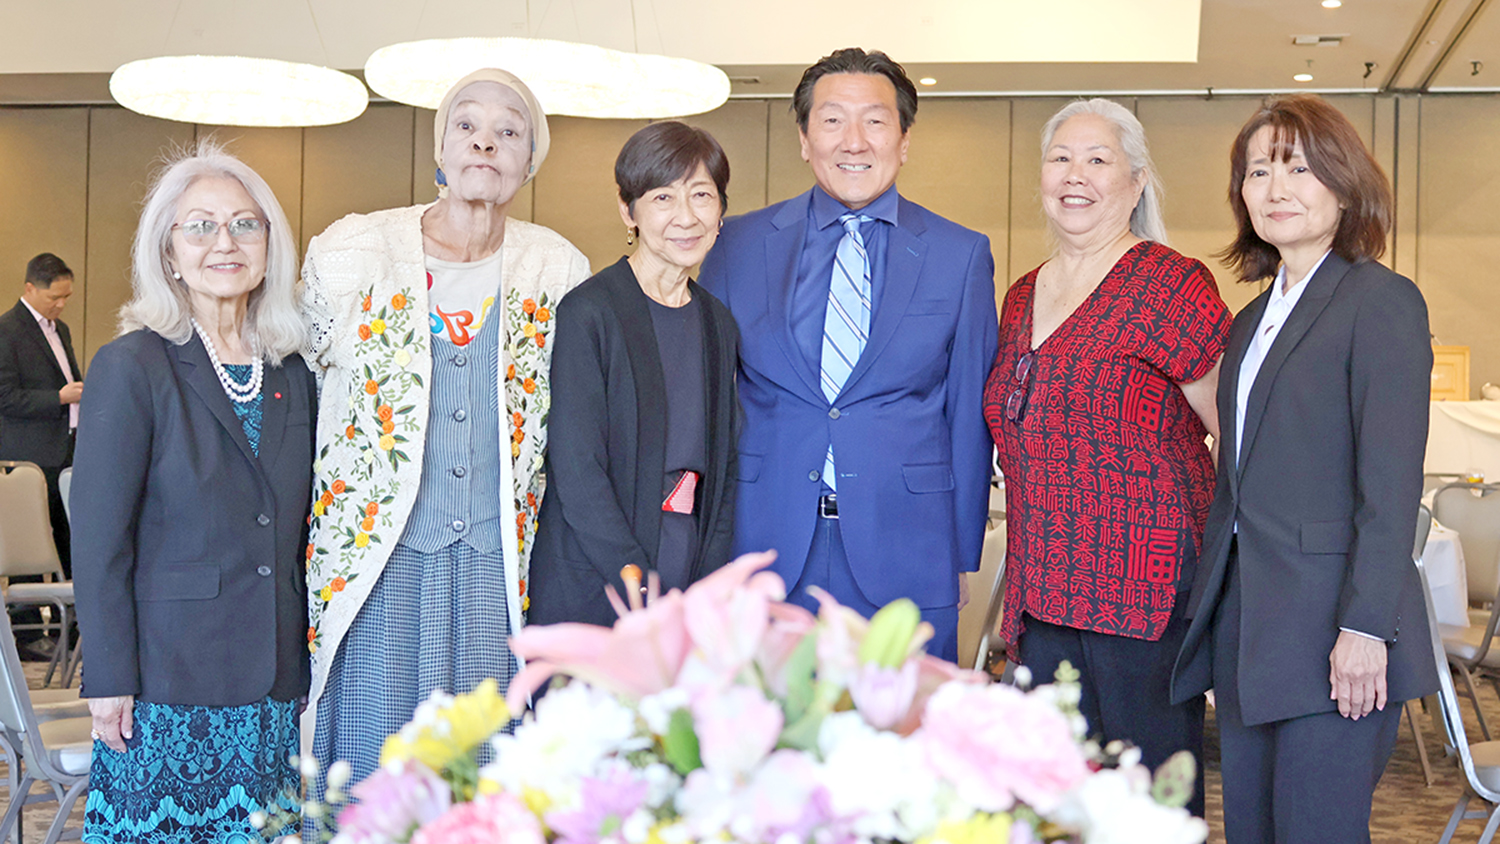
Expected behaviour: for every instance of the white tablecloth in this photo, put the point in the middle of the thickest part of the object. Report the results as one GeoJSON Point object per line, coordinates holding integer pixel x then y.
{"type": "Point", "coordinates": [1444, 559]}
{"type": "Point", "coordinates": [1464, 435]}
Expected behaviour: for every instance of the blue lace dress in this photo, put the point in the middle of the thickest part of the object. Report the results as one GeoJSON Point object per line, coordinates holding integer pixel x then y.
{"type": "Point", "coordinates": [194, 774]}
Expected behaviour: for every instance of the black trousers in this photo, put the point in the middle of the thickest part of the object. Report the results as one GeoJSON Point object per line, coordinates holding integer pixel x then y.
{"type": "Point", "coordinates": [1307, 779]}
{"type": "Point", "coordinates": [1126, 687]}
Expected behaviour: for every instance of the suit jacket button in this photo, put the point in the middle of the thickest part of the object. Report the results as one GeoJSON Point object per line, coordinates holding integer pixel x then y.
{"type": "Point", "coordinates": [833, 413]}
{"type": "Point", "coordinates": [263, 519]}
{"type": "Point", "coordinates": [813, 475]}
{"type": "Point", "coordinates": [264, 571]}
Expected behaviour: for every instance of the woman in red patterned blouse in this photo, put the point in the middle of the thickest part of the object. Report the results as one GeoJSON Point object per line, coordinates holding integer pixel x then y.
{"type": "Point", "coordinates": [1100, 401]}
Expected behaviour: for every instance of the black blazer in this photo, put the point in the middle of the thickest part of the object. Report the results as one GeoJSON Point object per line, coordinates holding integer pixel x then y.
{"type": "Point", "coordinates": [1325, 493]}
{"type": "Point", "coordinates": [33, 421]}
{"type": "Point", "coordinates": [606, 443]}
{"type": "Point", "coordinates": [188, 550]}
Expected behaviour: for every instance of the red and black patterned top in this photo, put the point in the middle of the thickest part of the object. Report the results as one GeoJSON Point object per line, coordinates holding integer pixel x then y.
{"type": "Point", "coordinates": [1108, 480]}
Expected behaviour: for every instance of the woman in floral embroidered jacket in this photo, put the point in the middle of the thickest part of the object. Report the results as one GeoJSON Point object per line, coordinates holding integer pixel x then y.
{"type": "Point", "coordinates": [428, 327]}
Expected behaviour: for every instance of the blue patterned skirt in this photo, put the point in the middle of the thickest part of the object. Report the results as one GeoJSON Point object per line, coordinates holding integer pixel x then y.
{"type": "Point", "coordinates": [195, 774]}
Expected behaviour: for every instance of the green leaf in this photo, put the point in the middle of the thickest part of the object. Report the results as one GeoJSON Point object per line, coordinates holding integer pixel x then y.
{"type": "Point", "coordinates": [799, 678]}
{"type": "Point", "coordinates": [680, 744]}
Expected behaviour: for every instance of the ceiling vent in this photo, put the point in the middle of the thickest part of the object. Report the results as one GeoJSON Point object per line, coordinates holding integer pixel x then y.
{"type": "Point", "coordinates": [1318, 40]}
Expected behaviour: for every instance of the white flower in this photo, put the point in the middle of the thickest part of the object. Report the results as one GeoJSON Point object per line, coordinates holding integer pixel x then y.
{"type": "Point", "coordinates": [575, 731]}
{"type": "Point", "coordinates": [879, 778]}
{"type": "Point", "coordinates": [1115, 807]}
{"type": "Point", "coordinates": [403, 357]}
{"type": "Point", "coordinates": [657, 709]}
{"type": "Point", "coordinates": [317, 467]}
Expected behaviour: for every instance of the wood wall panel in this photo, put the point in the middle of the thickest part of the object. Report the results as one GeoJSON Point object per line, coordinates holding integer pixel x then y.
{"type": "Point", "coordinates": [575, 189]}
{"type": "Point", "coordinates": [1029, 243]}
{"type": "Point", "coordinates": [786, 173]}
{"type": "Point", "coordinates": [43, 198]}
{"type": "Point", "coordinates": [356, 167]}
{"type": "Point", "coordinates": [126, 151]}
{"type": "Point", "coordinates": [958, 166]}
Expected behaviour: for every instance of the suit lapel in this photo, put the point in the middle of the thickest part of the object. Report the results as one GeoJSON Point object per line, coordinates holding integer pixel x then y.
{"type": "Point", "coordinates": [199, 374]}
{"type": "Point", "coordinates": [275, 394]}
{"type": "Point", "coordinates": [1319, 292]}
{"type": "Point", "coordinates": [783, 248]}
{"type": "Point", "coordinates": [1229, 381]}
{"type": "Point", "coordinates": [33, 329]}
{"type": "Point", "coordinates": [904, 253]}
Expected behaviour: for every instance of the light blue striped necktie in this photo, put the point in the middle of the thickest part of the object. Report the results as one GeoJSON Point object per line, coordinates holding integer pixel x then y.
{"type": "Point", "coordinates": [846, 324]}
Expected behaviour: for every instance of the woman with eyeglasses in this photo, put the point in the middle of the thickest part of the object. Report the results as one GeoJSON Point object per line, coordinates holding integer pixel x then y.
{"type": "Point", "coordinates": [190, 492]}
{"type": "Point", "coordinates": [1100, 401]}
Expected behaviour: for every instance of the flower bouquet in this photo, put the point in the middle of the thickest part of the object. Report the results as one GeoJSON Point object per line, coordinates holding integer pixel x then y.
{"type": "Point", "coordinates": [722, 714]}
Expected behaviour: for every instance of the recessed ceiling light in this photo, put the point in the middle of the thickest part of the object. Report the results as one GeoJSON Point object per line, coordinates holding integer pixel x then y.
{"type": "Point", "coordinates": [1332, 4]}
{"type": "Point", "coordinates": [927, 80]}
{"type": "Point", "coordinates": [1303, 77]}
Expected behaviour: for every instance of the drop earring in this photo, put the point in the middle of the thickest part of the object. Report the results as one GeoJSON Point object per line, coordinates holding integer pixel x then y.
{"type": "Point", "coordinates": [630, 235]}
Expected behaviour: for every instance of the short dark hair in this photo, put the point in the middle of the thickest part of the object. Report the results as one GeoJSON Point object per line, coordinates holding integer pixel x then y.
{"type": "Point", "coordinates": [855, 60]}
{"type": "Point", "coordinates": [1336, 156]}
{"type": "Point", "coordinates": [46, 268]}
{"type": "Point", "coordinates": [662, 153]}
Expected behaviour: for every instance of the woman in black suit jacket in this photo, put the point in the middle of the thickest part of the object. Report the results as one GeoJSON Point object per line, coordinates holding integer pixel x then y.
{"type": "Point", "coordinates": [645, 415]}
{"type": "Point", "coordinates": [190, 496]}
{"type": "Point", "coordinates": [1308, 617]}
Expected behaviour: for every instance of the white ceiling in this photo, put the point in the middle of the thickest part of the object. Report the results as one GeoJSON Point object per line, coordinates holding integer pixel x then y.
{"type": "Point", "coordinates": [61, 50]}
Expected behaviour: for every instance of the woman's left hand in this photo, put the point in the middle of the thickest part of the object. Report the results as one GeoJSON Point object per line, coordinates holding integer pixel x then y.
{"type": "Point", "coordinates": [1357, 674]}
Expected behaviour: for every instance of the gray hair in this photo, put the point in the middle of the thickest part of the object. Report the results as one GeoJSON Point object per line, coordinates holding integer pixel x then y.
{"type": "Point", "coordinates": [1146, 221]}
{"type": "Point", "coordinates": [273, 323]}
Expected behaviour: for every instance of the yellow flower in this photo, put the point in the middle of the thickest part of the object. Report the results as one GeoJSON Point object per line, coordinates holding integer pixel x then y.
{"type": "Point", "coordinates": [360, 541]}
{"type": "Point", "coordinates": [326, 593]}
{"type": "Point", "coordinates": [377, 326]}
{"type": "Point", "coordinates": [515, 449]}
{"type": "Point", "coordinates": [529, 330]}
{"type": "Point", "coordinates": [387, 442]}
{"type": "Point", "coordinates": [312, 647]}
{"type": "Point", "coordinates": [461, 726]}
{"type": "Point", "coordinates": [318, 508]}
{"type": "Point", "coordinates": [979, 829]}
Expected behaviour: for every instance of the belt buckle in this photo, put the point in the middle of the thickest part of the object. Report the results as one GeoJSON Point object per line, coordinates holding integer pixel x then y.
{"type": "Point", "coordinates": [824, 501]}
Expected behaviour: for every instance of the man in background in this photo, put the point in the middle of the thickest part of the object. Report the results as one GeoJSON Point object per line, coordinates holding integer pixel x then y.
{"type": "Point", "coordinates": [40, 383]}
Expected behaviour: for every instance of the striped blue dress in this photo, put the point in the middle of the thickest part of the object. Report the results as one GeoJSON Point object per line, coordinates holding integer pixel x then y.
{"type": "Point", "coordinates": [195, 774]}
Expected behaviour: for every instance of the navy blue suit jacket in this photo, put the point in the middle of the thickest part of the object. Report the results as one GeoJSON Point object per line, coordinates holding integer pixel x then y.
{"type": "Point", "coordinates": [908, 430]}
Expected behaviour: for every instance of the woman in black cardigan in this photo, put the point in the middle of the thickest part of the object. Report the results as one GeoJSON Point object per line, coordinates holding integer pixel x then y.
{"type": "Point", "coordinates": [645, 416]}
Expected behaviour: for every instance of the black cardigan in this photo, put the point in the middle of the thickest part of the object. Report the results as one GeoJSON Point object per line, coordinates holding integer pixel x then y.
{"type": "Point", "coordinates": [607, 436]}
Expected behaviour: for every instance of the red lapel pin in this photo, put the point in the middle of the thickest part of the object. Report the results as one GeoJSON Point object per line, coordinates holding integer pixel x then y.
{"type": "Point", "coordinates": [278, 395]}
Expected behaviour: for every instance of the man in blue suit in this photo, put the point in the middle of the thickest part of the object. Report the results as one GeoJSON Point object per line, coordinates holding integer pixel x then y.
{"type": "Point", "coordinates": [868, 328]}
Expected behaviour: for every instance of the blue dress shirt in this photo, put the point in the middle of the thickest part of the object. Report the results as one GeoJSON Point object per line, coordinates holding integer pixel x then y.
{"type": "Point", "coordinates": [815, 264]}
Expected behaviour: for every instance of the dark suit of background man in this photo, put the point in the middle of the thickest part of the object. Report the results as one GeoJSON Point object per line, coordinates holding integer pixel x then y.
{"type": "Point", "coordinates": [40, 383]}
{"type": "Point", "coordinates": [868, 327]}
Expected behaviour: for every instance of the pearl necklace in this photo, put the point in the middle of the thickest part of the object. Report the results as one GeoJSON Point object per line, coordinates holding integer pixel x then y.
{"type": "Point", "coordinates": [237, 392]}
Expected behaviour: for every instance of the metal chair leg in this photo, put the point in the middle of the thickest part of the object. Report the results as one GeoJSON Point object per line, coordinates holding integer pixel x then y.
{"type": "Point", "coordinates": [1463, 672]}
{"type": "Point", "coordinates": [64, 809]}
{"type": "Point", "coordinates": [1416, 733]}
{"type": "Point", "coordinates": [1458, 815]}
{"type": "Point", "coordinates": [12, 819]}
{"type": "Point", "coordinates": [1489, 828]}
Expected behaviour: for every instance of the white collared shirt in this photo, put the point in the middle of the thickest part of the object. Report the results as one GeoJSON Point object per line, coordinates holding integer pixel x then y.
{"type": "Point", "coordinates": [1278, 309]}
{"type": "Point", "coordinates": [49, 330]}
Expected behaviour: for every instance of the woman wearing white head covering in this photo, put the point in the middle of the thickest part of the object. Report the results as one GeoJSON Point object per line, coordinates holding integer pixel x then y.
{"type": "Point", "coordinates": [428, 327]}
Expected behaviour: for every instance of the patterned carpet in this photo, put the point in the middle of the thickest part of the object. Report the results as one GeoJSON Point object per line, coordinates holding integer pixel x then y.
{"type": "Point", "coordinates": [1406, 810]}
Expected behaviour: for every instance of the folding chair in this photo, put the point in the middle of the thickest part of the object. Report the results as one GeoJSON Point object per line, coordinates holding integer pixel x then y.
{"type": "Point", "coordinates": [55, 752]}
{"type": "Point", "coordinates": [26, 548]}
{"type": "Point", "coordinates": [1474, 511]}
{"type": "Point", "coordinates": [976, 623]}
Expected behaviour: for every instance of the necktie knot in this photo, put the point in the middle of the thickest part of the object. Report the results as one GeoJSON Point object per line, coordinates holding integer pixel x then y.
{"type": "Point", "coordinates": [852, 222]}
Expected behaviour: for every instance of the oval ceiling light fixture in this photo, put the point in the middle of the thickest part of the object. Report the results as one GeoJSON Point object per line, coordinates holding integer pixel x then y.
{"type": "Point", "coordinates": [238, 91]}
{"type": "Point", "coordinates": [927, 80]}
{"type": "Point", "coordinates": [581, 80]}
{"type": "Point", "coordinates": [1332, 4]}
{"type": "Point", "coordinates": [1302, 77]}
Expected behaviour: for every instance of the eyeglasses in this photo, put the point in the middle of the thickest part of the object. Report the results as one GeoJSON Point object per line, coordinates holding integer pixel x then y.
{"type": "Point", "coordinates": [206, 232]}
{"type": "Point", "coordinates": [1015, 406]}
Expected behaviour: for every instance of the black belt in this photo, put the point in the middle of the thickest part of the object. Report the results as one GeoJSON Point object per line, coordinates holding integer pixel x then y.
{"type": "Point", "coordinates": [828, 506]}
